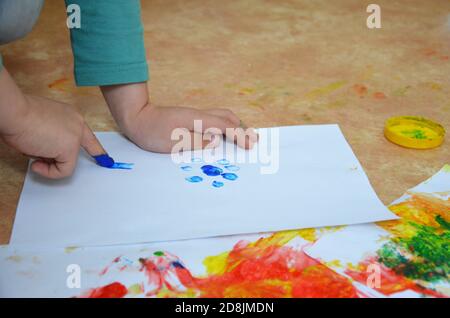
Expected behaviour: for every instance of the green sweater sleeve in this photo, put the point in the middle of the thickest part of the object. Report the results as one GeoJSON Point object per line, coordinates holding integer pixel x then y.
{"type": "Point", "coordinates": [108, 48]}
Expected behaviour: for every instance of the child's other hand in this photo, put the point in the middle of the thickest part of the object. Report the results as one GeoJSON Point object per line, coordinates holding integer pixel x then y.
{"type": "Point", "coordinates": [150, 127]}
{"type": "Point", "coordinates": [52, 133]}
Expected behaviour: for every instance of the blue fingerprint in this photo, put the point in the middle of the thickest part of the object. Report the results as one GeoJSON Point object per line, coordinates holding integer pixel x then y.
{"type": "Point", "coordinates": [194, 179]}
{"type": "Point", "coordinates": [217, 184]}
{"type": "Point", "coordinates": [211, 171]}
{"type": "Point", "coordinates": [232, 168]}
{"type": "Point", "coordinates": [186, 168]}
{"type": "Point", "coordinates": [196, 160]}
{"type": "Point", "coordinates": [229, 176]}
{"type": "Point", "coordinates": [223, 162]}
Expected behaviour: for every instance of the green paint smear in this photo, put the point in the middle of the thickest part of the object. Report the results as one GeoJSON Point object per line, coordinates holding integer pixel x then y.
{"type": "Point", "coordinates": [425, 256]}
{"type": "Point", "coordinates": [415, 133]}
{"type": "Point", "coordinates": [158, 253]}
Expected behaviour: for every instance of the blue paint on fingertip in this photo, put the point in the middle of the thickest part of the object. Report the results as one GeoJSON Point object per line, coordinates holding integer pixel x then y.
{"type": "Point", "coordinates": [106, 161]}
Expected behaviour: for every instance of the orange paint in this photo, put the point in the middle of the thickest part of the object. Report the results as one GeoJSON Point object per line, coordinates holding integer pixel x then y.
{"type": "Point", "coordinates": [255, 270]}
{"type": "Point", "coordinates": [59, 84]}
{"type": "Point", "coordinates": [360, 90]}
{"type": "Point", "coordinates": [113, 290]}
{"type": "Point", "coordinates": [379, 95]}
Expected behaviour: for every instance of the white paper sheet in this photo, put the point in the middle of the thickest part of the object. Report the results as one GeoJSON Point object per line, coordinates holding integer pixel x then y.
{"type": "Point", "coordinates": [319, 183]}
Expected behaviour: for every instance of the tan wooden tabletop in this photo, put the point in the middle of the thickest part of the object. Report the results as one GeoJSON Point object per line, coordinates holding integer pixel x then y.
{"type": "Point", "coordinates": [273, 63]}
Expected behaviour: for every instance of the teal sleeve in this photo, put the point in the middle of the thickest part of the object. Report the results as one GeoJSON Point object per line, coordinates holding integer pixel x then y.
{"type": "Point", "coordinates": [108, 48]}
{"type": "Point", "coordinates": [1, 62]}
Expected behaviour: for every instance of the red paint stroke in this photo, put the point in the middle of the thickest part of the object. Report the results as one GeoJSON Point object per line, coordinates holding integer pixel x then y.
{"type": "Point", "coordinates": [105, 270]}
{"type": "Point", "coordinates": [390, 282]}
{"type": "Point", "coordinates": [113, 290]}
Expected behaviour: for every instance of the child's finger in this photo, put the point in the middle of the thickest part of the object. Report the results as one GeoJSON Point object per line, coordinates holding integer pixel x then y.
{"type": "Point", "coordinates": [211, 123]}
{"type": "Point", "coordinates": [225, 113]}
{"type": "Point", "coordinates": [90, 142]}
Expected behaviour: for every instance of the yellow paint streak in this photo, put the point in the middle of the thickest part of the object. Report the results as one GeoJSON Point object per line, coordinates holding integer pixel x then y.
{"type": "Point", "coordinates": [14, 258]}
{"type": "Point", "coordinates": [70, 249]}
{"type": "Point", "coordinates": [324, 90]}
{"type": "Point", "coordinates": [135, 289]}
{"type": "Point", "coordinates": [216, 265]}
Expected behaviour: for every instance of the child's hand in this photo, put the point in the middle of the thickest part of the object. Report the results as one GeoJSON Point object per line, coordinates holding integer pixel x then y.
{"type": "Point", "coordinates": [47, 130]}
{"type": "Point", "coordinates": [150, 127]}
{"type": "Point", "coordinates": [53, 133]}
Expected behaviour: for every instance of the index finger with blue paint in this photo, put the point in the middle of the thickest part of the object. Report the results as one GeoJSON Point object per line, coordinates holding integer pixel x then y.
{"type": "Point", "coordinates": [94, 148]}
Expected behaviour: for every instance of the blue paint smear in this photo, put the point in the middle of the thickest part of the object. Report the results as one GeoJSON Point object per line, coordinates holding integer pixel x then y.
{"type": "Point", "coordinates": [107, 162]}
{"type": "Point", "coordinates": [217, 184]}
{"type": "Point", "coordinates": [232, 168]}
{"type": "Point", "coordinates": [194, 179]}
{"type": "Point", "coordinates": [196, 160]}
{"type": "Point", "coordinates": [223, 162]}
{"type": "Point", "coordinates": [211, 171]}
{"type": "Point", "coordinates": [177, 264]}
{"type": "Point", "coordinates": [186, 168]}
{"type": "Point", "coordinates": [229, 176]}
{"type": "Point", "coordinates": [122, 165]}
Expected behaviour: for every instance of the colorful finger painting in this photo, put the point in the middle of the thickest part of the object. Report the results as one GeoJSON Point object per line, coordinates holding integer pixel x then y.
{"type": "Point", "coordinates": [411, 254]}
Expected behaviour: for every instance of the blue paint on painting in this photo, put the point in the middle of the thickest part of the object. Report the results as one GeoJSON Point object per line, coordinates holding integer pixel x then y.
{"type": "Point", "coordinates": [177, 264]}
{"type": "Point", "coordinates": [223, 162]}
{"type": "Point", "coordinates": [194, 179]}
{"type": "Point", "coordinates": [232, 168]}
{"type": "Point", "coordinates": [229, 176]}
{"type": "Point", "coordinates": [107, 162]}
{"type": "Point", "coordinates": [196, 160]}
{"type": "Point", "coordinates": [211, 171]}
{"type": "Point", "coordinates": [217, 184]}
{"type": "Point", "coordinates": [186, 168]}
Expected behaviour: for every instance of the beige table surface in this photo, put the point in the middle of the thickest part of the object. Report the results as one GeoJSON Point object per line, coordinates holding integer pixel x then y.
{"type": "Point", "coordinates": [273, 63]}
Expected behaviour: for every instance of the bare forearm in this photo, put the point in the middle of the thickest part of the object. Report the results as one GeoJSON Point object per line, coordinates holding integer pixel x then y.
{"type": "Point", "coordinates": [13, 105]}
{"type": "Point", "coordinates": [126, 101]}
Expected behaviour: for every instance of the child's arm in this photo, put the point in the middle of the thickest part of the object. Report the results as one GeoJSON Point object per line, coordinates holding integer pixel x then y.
{"type": "Point", "coordinates": [109, 52]}
{"type": "Point", "coordinates": [44, 129]}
